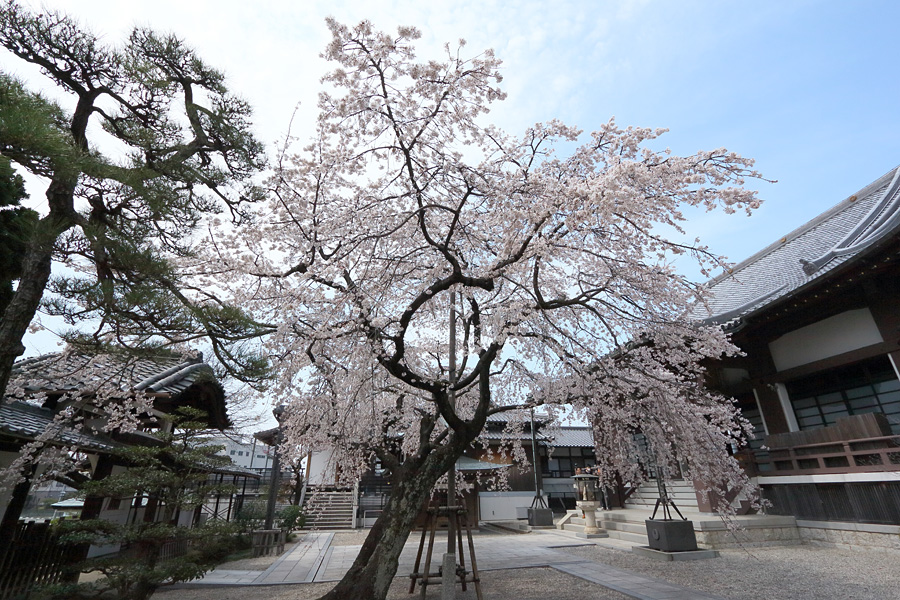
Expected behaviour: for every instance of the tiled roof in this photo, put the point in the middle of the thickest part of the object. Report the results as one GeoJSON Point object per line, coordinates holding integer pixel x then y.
{"type": "Point", "coordinates": [846, 231]}
{"type": "Point", "coordinates": [573, 437]}
{"type": "Point", "coordinates": [464, 463]}
{"type": "Point", "coordinates": [73, 371]}
{"type": "Point", "coordinates": [488, 434]}
{"type": "Point", "coordinates": [26, 421]}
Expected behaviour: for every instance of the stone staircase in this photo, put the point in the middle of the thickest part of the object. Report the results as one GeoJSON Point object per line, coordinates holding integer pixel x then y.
{"type": "Point", "coordinates": [680, 491]}
{"type": "Point", "coordinates": [629, 526]}
{"type": "Point", "coordinates": [329, 510]}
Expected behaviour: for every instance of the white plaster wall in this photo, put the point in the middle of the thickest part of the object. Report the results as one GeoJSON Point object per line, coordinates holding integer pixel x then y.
{"type": "Point", "coordinates": [835, 335]}
{"type": "Point", "coordinates": [321, 468]}
{"type": "Point", "coordinates": [246, 454]}
{"type": "Point", "coordinates": [501, 506]}
{"type": "Point", "coordinates": [119, 516]}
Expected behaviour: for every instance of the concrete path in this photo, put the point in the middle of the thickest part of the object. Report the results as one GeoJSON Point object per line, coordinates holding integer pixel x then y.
{"type": "Point", "coordinates": [313, 559]}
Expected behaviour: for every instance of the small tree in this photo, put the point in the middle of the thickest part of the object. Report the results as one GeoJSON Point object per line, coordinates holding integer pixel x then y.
{"type": "Point", "coordinates": [407, 218]}
{"type": "Point", "coordinates": [173, 477]}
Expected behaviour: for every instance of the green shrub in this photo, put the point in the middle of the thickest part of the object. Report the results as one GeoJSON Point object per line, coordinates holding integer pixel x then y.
{"type": "Point", "coordinates": [291, 517]}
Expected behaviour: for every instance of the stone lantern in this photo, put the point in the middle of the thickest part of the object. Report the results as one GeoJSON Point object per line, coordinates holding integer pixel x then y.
{"type": "Point", "coordinates": [587, 499]}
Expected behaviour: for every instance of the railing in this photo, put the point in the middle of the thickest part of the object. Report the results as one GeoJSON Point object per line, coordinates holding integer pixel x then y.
{"type": "Point", "coordinates": [174, 548]}
{"type": "Point", "coordinates": [848, 456]}
{"type": "Point", "coordinates": [32, 558]}
{"type": "Point", "coordinates": [268, 541]}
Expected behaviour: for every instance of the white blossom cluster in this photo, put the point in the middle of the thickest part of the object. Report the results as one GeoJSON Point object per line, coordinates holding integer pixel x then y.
{"type": "Point", "coordinates": [90, 395]}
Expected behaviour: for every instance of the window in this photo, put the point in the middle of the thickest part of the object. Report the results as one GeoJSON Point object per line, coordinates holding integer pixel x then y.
{"type": "Point", "coordinates": [232, 452]}
{"type": "Point", "coordinates": [564, 461]}
{"type": "Point", "coordinates": [870, 386]}
{"type": "Point", "coordinates": [240, 452]}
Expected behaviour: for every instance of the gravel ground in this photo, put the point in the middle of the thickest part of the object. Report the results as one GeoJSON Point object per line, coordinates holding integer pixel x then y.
{"type": "Point", "coordinates": [783, 573]}
{"type": "Point", "coordinates": [350, 538]}
{"type": "Point", "coordinates": [518, 584]}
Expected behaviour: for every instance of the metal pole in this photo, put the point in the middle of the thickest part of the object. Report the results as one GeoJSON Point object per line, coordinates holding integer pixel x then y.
{"type": "Point", "coordinates": [538, 501]}
{"type": "Point", "coordinates": [448, 575]}
{"type": "Point", "coordinates": [276, 471]}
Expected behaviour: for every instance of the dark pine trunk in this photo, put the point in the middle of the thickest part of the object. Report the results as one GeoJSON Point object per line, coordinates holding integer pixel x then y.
{"type": "Point", "coordinates": [36, 267]}
{"type": "Point", "coordinates": [373, 570]}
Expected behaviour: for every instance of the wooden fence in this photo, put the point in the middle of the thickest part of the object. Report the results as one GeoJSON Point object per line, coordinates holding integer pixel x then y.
{"type": "Point", "coordinates": [34, 557]}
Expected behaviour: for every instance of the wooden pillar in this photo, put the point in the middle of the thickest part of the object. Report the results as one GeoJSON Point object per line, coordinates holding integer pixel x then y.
{"type": "Point", "coordinates": [94, 504]}
{"type": "Point", "coordinates": [770, 406]}
{"type": "Point", "coordinates": [16, 504]}
{"type": "Point", "coordinates": [882, 297]}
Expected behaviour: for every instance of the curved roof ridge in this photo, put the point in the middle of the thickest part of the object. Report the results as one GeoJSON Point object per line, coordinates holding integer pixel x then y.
{"type": "Point", "coordinates": [837, 208]}
{"type": "Point", "coordinates": [162, 375]}
{"type": "Point", "coordinates": [842, 233]}
{"type": "Point", "coordinates": [882, 217]}
{"type": "Point", "coordinates": [180, 374]}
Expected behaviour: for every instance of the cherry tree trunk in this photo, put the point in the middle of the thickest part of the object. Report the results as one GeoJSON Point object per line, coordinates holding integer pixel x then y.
{"type": "Point", "coordinates": [373, 570]}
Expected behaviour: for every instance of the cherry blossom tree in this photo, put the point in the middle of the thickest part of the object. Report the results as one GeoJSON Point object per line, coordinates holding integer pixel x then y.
{"type": "Point", "coordinates": [406, 201]}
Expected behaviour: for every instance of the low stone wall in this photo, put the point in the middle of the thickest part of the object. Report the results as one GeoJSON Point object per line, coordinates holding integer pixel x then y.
{"type": "Point", "coordinates": [756, 532]}
{"type": "Point", "coordinates": [856, 536]}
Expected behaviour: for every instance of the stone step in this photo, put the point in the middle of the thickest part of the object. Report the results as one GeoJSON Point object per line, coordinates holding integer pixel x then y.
{"type": "Point", "coordinates": [651, 502]}
{"type": "Point", "coordinates": [624, 526]}
{"type": "Point", "coordinates": [579, 529]}
{"type": "Point", "coordinates": [331, 517]}
{"type": "Point", "coordinates": [318, 522]}
{"type": "Point", "coordinates": [654, 492]}
{"type": "Point", "coordinates": [626, 536]}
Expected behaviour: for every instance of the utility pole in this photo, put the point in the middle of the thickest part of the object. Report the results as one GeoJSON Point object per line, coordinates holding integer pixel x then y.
{"type": "Point", "coordinates": [448, 573]}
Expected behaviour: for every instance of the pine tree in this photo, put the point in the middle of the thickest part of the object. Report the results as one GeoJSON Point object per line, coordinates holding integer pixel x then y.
{"type": "Point", "coordinates": [145, 142]}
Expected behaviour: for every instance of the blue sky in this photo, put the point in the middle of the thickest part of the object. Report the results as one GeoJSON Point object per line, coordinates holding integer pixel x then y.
{"type": "Point", "coordinates": [808, 88]}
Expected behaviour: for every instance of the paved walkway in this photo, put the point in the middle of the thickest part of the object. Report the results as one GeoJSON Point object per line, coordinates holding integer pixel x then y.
{"type": "Point", "coordinates": [313, 559]}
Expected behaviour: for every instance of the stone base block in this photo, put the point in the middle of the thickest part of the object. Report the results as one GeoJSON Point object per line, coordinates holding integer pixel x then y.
{"type": "Point", "coordinates": [591, 536]}
{"type": "Point", "coordinates": [686, 555]}
{"type": "Point", "coordinates": [540, 517]}
{"type": "Point", "coordinates": [671, 535]}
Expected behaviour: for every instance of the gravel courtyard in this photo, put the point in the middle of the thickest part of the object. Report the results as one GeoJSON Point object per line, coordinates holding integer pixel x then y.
{"type": "Point", "coordinates": [782, 573]}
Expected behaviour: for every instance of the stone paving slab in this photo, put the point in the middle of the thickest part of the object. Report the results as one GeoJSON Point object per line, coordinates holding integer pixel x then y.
{"type": "Point", "coordinates": [301, 564]}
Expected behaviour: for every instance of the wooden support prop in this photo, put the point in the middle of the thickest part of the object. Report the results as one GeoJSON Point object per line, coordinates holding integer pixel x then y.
{"type": "Point", "coordinates": [426, 576]}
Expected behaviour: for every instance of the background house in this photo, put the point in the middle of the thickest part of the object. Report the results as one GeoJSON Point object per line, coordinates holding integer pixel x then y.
{"type": "Point", "coordinates": [68, 383]}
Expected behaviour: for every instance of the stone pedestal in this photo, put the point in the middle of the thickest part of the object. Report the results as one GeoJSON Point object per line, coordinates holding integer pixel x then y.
{"type": "Point", "coordinates": [540, 517]}
{"type": "Point", "coordinates": [589, 508]}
